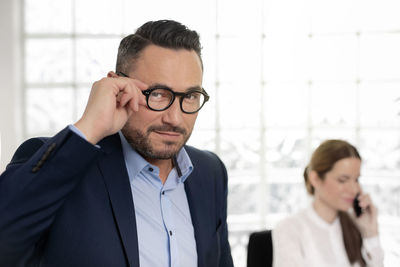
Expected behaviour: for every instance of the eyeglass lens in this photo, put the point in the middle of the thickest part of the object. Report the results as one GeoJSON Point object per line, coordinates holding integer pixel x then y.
{"type": "Point", "coordinates": [159, 99]}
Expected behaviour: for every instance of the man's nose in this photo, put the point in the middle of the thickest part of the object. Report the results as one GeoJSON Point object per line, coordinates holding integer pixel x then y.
{"type": "Point", "coordinates": [173, 115]}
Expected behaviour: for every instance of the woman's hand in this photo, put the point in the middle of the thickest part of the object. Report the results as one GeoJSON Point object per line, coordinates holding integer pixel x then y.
{"type": "Point", "coordinates": [368, 220]}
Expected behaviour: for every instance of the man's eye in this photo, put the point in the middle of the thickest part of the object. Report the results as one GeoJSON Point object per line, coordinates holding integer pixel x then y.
{"type": "Point", "coordinates": [155, 94]}
{"type": "Point", "coordinates": [192, 96]}
{"type": "Point", "coordinates": [159, 94]}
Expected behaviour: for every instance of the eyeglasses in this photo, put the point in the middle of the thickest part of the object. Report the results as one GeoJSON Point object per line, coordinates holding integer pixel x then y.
{"type": "Point", "coordinates": [159, 98]}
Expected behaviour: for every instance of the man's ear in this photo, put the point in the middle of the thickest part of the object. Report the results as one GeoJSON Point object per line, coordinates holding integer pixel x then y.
{"type": "Point", "coordinates": [315, 180]}
{"type": "Point", "coordinates": [112, 74]}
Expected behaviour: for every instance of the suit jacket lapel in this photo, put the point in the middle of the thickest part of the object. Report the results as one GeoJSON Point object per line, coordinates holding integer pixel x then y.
{"type": "Point", "coordinates": [113, 168]}
{"type": "Point", "coordinates": [198, 204]}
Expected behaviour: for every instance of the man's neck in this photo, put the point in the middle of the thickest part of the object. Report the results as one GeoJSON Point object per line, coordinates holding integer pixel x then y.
{"type": "Point", "coordinates": [165, 166]}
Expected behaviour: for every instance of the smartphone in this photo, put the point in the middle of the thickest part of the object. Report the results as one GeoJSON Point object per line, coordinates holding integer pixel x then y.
{"type": "Point", "coordinates": [356, 207]}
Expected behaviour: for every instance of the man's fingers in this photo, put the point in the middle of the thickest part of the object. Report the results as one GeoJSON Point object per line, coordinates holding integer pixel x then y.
{"type": "Point", "coordinates": [123, 82]}
{"type": "Point", "coordinates": [119, 96]}
{"type": "Point", "coordinates": [128, 86]}
{"type": "Point", "coordinates": [125, 98]}
{"type": "Point", "coordinates": [141, 85]}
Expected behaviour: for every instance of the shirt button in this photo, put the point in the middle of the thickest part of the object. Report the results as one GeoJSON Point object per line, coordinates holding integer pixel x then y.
{"type": "Point", "coordinates": [170, 232]}
{"type": "Point", "coordinates": [151, 169]}
{"type": "Point", "coordinates": [163, 192]}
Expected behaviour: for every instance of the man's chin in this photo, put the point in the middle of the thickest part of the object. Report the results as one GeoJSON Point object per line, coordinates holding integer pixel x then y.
{"type": "Point", "coordinates": [160, 154]}
{"type": "Point", "coordinates": [151, 146]}
{"type": "Point", "coordinates": [166, 152]}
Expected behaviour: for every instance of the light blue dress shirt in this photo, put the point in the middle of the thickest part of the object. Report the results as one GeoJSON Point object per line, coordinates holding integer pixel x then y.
{"type": "Point", "coordinates": [163, 222]}
{"type": "Point", "coordinates": [164, 225]}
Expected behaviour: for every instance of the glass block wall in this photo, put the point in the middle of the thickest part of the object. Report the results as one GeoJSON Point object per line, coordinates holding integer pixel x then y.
{"type": "Point", "coordinates": [283, 75]}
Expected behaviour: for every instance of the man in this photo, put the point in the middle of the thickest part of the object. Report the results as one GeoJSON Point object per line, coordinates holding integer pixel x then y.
{"type": "Point", "coordinates": [119, 187]}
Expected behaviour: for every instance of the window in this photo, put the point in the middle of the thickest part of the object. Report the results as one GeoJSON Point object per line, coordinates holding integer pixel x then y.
{"type": "Point", "coordinates": [301, 72]}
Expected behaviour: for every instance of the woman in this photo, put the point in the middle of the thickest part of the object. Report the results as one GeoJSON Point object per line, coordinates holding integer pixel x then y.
{"type": "Point", "coordinates": [328, 233]}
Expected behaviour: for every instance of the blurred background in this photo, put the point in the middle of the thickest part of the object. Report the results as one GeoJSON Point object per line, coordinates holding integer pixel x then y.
{"type": "Point", "coordinates": [283, 76]}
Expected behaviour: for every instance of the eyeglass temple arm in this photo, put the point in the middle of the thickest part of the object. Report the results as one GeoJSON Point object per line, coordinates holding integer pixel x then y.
{"type": "Point", "coordinates": [122, 74]}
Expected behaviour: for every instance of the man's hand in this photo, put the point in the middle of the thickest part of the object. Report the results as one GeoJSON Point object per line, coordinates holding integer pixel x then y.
{"type": "Point", "coordinates": [111, 102]}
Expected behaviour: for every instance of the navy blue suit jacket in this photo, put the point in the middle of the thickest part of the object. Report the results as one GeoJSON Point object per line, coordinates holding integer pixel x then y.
{"type": "Point", "coordinates": [64, 202]}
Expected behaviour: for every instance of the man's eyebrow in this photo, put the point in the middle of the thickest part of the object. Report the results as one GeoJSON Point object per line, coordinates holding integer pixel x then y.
{"type": "Point", "coordinates": [160, 85]}
{"type": "Point", "coordinates": [193, 88]}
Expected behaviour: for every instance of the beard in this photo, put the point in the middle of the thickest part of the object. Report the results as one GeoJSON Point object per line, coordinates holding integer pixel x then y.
{"type": "Point", "coordinates": [140, 141]}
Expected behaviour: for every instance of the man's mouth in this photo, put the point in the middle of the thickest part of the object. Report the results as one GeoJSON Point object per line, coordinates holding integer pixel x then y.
{"type": "Point", "coordinates": [168, 130]}
{"type": "Point", "coordinates": [168, 133]}
{"type": "Point", "coordinates": [169, 136]}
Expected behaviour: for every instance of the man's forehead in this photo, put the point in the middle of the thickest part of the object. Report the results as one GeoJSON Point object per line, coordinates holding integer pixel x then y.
{"type": "Point", "coordinates": [163, 65]}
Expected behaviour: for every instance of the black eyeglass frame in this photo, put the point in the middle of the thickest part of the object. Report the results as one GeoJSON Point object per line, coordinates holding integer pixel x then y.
{"type": "Point", "coordinates": [181, 96]}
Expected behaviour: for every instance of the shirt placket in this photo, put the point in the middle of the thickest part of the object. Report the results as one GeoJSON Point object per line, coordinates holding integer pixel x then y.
{"type": "Point", "coordinates": [168, 220]}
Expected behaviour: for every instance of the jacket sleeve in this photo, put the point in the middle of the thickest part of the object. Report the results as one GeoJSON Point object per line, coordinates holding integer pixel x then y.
{"type": "Point", "coordinates": [34, 186]}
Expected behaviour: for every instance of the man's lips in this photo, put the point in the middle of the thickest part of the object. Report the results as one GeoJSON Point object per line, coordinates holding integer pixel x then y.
{"type": "Point", "coordinates": [169, 136]}
{"type": "Point", "coordinates": [168, 133]}
{"type": "Point", "coordinates": [165, 129]}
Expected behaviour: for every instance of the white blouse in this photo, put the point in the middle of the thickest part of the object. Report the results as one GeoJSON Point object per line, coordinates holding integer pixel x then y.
{"type": "Point", "coordinates": [305, 239]}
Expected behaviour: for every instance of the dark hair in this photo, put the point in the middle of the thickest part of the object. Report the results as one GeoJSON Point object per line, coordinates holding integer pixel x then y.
{"type": "Point", "coordinates": [164, 33]}
{"type": "Point", "coordinates": [322, 161]}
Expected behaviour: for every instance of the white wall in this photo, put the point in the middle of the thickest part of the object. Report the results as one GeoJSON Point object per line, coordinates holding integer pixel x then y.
{"type": "Point", "coordinates": [10, 72]}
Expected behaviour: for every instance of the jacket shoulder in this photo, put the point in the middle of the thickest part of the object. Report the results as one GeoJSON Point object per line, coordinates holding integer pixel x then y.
{"type": "Point", "coordinates": [206, 161]}
{"type": "Point", "coordinates": [27, 149]}
{"type": "Point", "coordinates": [201, 155]}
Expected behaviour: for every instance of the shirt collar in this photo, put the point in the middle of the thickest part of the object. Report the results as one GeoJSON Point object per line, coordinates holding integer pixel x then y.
{"type": "Point", "coordinates": [184, 166]}
{"type": "Point", "coordinates": [313, 215]}
{"type": "Point", "coordinates": [135, 163]}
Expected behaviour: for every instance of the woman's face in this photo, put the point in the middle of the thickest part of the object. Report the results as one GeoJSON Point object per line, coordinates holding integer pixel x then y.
{"type": "Point", "coordinates": [340, 186]}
